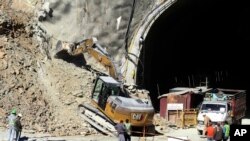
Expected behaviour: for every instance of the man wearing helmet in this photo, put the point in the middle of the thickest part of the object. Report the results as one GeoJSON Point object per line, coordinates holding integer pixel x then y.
{"type": "Point", "coordinates": [11, 125]}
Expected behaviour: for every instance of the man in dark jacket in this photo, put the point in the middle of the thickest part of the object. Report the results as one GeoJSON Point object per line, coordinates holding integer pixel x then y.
{"type": "Point", "coordinates": [218, 135]}
{"type": "Point", "coordinates": [120, 128]}
{"type": "Point", "coordinates": [18, 127]}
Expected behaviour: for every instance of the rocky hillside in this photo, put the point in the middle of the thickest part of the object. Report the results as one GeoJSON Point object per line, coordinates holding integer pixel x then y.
{"type": "Point", "coordinates": [45, 90]}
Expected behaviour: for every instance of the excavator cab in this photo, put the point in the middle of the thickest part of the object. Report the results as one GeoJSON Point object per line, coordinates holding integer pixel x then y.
{"type": "Point", "coordinates": [109, 97]}
{"type": "Point", "coordinates": [106, 86]}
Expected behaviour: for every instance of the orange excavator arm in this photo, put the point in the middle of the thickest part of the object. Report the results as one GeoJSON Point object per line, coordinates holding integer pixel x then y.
{"type": "Point", "coordinates": [94, 49]}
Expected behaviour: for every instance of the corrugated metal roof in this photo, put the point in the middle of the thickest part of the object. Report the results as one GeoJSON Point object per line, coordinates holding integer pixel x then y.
{"type": "Point", "coordinates": [184, 90]}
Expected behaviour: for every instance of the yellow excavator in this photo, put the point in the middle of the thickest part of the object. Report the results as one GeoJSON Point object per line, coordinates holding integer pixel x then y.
{"type": "Point", "coordinates": [111, 101]}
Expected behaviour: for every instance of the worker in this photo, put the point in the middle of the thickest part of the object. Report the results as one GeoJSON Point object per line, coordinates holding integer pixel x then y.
{"type": "Point", "coordinates": [120, 128]}
{"type": "Point", "coordinates": [128, 130]}
{"type": "Point", "coordinates": [207, 120]}
{"type": "Point", "coordinates": [226, 130]}
{"type": "Point", "coordinates": [11, 125]}
{"type": "Point", "coordinates": [18, 126]}
{"type": "Point", "coordinates": [218, 132]}
{"type": "Point", "coordinates": [210, 132]}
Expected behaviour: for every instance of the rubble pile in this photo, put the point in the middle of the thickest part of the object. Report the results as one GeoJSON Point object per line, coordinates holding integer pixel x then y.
{"type": "Point", "coordinates": [45, 90]}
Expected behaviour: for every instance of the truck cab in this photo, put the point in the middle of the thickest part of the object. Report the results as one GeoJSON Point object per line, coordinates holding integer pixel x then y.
{"type": "Point", "coordinates": [217, 111]}
{"type": "Point", "coordinates": [222, 105]}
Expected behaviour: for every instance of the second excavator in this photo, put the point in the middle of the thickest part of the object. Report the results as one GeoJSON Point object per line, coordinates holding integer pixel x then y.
{"type": "Point", "coordinates": [111, 100]}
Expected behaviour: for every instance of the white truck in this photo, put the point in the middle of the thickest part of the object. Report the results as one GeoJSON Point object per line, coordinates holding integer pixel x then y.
{"type": "Point", "coordinates": [222, 105]}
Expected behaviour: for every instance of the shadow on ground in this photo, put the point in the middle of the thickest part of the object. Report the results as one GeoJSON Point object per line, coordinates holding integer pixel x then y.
{"type": "Point", "coordinates": [24, 138]}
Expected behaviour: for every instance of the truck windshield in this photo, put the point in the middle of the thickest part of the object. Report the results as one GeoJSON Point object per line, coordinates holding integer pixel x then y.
{"type": "Point", "coordinates": [214, 107]}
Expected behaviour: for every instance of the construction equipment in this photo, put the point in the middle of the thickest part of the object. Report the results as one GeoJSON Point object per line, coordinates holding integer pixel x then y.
{"type": "Point", "coordinates": [111, 101]}
{"type": "Point", "coordinates": [94, 49]}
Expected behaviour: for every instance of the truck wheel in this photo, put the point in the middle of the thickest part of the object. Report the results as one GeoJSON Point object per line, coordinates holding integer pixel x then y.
{"type": "Point", "coordinates": [239, 121]}
{"type": "Point", "coordinates": [199, 132]}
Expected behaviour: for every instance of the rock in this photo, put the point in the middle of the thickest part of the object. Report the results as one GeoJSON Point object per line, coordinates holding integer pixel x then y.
{"type": "Point", "coordinates": [130, 87]}
{"type": "Point", "coordinates": [46, 7]}
{"type": "Point", "coordinates": [3, 65]}
{"type": "Point", "coordinates": [83, 133]}
{"type": "Point", "coordinates": [140, 91]}
{"type": "Point", "coordinates": [3, 41]}
{"type": "Point", "coordinates": [24, 6]}
{"type": "Point", "coordinates": [16, 69]}
{"type": "Point", "coordinates": [29, 131]}
{"type": "Point", "coordinates": [44, 12]}
{"type": "Point", "coordinates": [78, 93]}
{"type": "Point", "coordinates": [133, 90]}
{"type": "Point", "coordinates": [2, 54]}
{"type": "Point", "coordinates": [20, 90]}
{"type": "Point", "coordinates": [41, 15]}
{"type": "Point", "coordinates": [69, 101]}
{"type": "Point", "coordinates": [32, 140]}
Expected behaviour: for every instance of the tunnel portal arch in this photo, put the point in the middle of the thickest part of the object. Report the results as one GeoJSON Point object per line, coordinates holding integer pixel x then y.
{"type": "Point", "coordinates": [218, 31]}
{"type": "Point", "coordinates": [129, 64]}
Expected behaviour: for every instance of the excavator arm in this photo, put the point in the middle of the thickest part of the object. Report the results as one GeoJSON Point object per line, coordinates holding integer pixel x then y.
{"type": "Point", "coordinates": [92, 48]}
{"type": "Point", "coordinates": [111, 100]}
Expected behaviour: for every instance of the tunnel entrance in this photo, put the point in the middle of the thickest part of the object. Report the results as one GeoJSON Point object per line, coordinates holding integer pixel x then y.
{"type": "Point", "coordinates": [194, 40]}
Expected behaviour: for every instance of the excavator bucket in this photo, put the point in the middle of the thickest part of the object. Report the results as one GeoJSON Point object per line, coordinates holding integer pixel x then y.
{"type": "Point", "coordinates": [63, 49]}
{"type": "Point", "coordinates": [73, 53]}
{"type": "Point", "coordinates": [72, 49]}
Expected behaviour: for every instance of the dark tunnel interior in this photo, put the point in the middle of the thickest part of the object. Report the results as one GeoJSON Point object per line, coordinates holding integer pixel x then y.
{"type": "Point", "coordinates": [195, 40]}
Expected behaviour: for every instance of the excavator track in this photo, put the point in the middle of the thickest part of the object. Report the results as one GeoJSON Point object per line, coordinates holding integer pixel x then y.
{"type": "Point", "coordinates": [97, 119]}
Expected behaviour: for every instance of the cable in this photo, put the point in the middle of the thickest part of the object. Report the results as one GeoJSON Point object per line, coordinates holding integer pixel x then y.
{"type": "Point", "coordinates": [126, 41]}
{"type": "Point", "coordinates": [129, 24]}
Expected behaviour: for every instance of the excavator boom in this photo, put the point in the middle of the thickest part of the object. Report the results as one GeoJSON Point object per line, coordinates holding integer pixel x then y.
{"type": "Point", "coordinates": [89, 46]}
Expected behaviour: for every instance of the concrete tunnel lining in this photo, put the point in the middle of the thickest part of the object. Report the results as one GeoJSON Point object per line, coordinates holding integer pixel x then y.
{"type": "Point", "coordinates": [129, 66]}
{"type": "Point", "coordinates": [227, 41]}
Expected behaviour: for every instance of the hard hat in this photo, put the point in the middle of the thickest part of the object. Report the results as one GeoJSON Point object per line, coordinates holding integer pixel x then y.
{"type": "Point", "coordinates": [20, 115]}
{"type": "Point", "coordinates": [13, 111]}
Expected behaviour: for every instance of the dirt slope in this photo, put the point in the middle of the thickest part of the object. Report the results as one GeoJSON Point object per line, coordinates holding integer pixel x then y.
{"type": "Point", "coordinates": [45, 90]}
